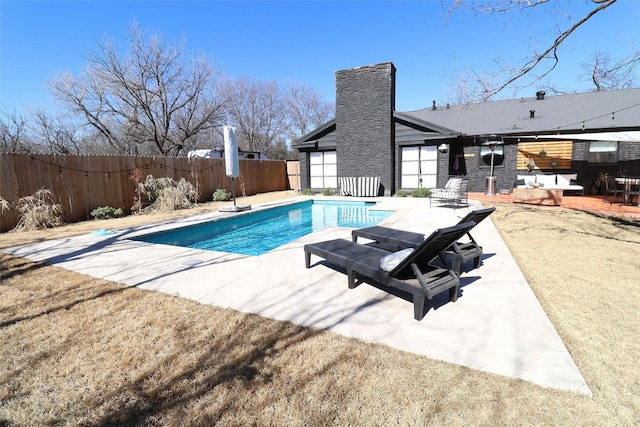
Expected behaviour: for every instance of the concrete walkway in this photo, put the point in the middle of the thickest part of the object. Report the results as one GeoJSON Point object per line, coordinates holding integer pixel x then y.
{"type": "Point", "coordinates": [497, 325]}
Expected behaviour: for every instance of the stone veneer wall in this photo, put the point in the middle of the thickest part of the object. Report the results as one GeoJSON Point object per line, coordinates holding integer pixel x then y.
{"type": "Point", "coordinates": [365, 101]}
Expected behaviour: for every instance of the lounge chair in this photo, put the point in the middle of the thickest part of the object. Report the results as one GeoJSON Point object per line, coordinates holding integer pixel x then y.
{"type": "Point", "coordinates": [414, 274]}
{"type": "Point", "coordinates": [395, 240]}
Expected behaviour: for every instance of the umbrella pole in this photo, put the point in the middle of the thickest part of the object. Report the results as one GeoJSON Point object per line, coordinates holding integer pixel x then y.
{"type": "Point", "coordinates": [233, 189]}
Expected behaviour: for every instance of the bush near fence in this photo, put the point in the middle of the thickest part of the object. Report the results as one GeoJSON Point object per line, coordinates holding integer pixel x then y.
{"type": "Point", "coordinates": [83, 183]}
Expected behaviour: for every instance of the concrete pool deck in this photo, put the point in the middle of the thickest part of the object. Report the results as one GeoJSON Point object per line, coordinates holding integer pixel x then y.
{"type": "Point", "coordinates": [497, 325]}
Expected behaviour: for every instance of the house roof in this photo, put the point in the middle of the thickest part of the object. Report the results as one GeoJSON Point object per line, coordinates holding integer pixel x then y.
{"type": "Point", "coordinates": [616, 110]}
{"type": "Point", "coordinates": [431, 130]}
{"type": "Point", "coordinates": [315, 134]}
{"type": "Point", "coordinates": [591, 111]}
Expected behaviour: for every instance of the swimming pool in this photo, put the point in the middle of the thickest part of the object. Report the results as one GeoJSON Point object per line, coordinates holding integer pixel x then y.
{"type": "Point", "coordinates": [255, 233]}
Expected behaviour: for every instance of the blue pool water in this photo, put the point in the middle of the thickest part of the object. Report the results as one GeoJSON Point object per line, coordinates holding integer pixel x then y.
{"type": "Point", "coordinates": [258, 232]}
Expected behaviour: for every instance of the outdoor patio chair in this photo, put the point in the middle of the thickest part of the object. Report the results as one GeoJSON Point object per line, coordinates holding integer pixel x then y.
{"type": "Point", "coordinates": [613, 190]}
{"type": "Point", "coordinates": [396, 240]}
{"type": "Point", "coordinates": [631, 190]}
{"type": "Point", "coordinates": [454, 193]}
{"type": "Point", "coordinates": [414, 274]}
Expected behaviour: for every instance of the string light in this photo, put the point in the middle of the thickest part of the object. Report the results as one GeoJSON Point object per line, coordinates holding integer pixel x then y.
{"type": "Point", "coordinates": [62, 168]}
{"type": "Point", "coordinates": [613, 116]}
{"type": "Point", "coordinates": [583, 122]}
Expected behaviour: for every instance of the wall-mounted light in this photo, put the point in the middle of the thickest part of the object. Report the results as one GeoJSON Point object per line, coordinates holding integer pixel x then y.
{"type": "Point", "coordinates": [443, 148]}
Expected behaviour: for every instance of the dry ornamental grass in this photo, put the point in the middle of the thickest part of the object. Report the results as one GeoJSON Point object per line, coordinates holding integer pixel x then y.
{"type": "Point", "coordinates": [38, 211]}
{"type": "Point", "coordinates": [83, 351]}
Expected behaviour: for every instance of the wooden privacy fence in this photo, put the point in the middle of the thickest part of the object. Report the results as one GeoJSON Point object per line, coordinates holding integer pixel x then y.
{"type": "Point", "coordinates": [83, 183]}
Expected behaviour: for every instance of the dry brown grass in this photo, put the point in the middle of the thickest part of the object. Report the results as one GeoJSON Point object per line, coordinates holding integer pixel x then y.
{"type": "Point", "coordinates": [83, 351]}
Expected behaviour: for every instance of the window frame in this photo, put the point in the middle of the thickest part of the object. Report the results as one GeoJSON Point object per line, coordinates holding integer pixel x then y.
{"type": "Point", "coordinates": [426, 155]}
{"type": "Point", "coordinates": [326, 167]}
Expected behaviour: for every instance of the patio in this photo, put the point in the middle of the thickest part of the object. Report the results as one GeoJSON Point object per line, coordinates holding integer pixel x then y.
{"type": "Point", "coordinates": [591, 204]}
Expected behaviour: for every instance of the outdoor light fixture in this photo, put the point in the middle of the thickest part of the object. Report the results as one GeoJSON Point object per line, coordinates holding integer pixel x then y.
{"type": "Point", "coordinates": [443, 148]}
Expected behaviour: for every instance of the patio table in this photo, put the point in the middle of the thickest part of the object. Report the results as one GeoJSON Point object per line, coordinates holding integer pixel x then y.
{"type": "Point", "coordinates": [629, 183]}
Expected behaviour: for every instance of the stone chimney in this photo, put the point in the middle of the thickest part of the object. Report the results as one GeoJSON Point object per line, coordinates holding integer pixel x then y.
{"type": "Point", "coordinates": [365, 134]}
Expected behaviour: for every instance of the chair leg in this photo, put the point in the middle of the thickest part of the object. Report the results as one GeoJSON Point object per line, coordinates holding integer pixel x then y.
{"type": "Point", "coordinates": [453, 293]}
{"type": "Point", "coordinates": [418, 306]}
{"type": "Point", "coordinates": [351, 277]}
{"type": "Point", "coordinates": [307, 259]}
{"type": "Point", "coordinates": [456, 264]}
{"type": "Point", "coordinates": [476, 262]}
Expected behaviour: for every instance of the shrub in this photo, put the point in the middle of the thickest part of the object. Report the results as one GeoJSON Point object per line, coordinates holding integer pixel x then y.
{"type": "Point", "coordinates": [307, 192]}
{"type": "Point", "coordinates": [106, 212]}
{"type": "Point", "coordinates": [401, 193]}
{"type": "Point", "coordinates": [421, 192]}
{"type": "Point", "coordinates": [38, 211]}
{"type": "Point", "coordinates": [220, 195]}
{"type": "Point", "coordinates": [167, 194]}
{"type": "Point", "coordinates": [328, 192]}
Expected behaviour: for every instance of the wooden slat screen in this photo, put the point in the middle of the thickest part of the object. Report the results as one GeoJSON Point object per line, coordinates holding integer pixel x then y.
{"type": "Point", "coordinates": [83, 183]}
{"type": "Point", "coordinates": [558, 152]}
{"type": "Point", "coordinates": [293, 172]}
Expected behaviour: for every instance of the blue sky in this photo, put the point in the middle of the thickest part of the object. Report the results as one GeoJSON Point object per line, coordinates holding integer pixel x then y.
{"type": "Point", "coordinates": [304, 41]}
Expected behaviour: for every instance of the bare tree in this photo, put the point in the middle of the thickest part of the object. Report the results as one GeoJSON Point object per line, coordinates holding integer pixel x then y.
{"type": "Point", "coordinates": [149, 99]}
{"type": "Point", "coordinates": [305, 109]}
{"type": "Point", "coordinates": [605, 75]}
{"type": "Point", "coordinates": [54, 134]}
{"type": "Point", "coordinates": [258, 110]}
{"type": "Point", "coordinates": [542, 61]}
{"type": "Point", "coordinates": [13, 133]}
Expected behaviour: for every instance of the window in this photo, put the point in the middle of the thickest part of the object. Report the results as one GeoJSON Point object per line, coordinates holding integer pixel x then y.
{"type": "Point", "coordinates": [323, 170]}
{"type": "Point", "coordinates": [603, 152]}
{"type": "Point", "coordinates": [419, 167]}
{"type": "Point", "coordinates": [485, 156]}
